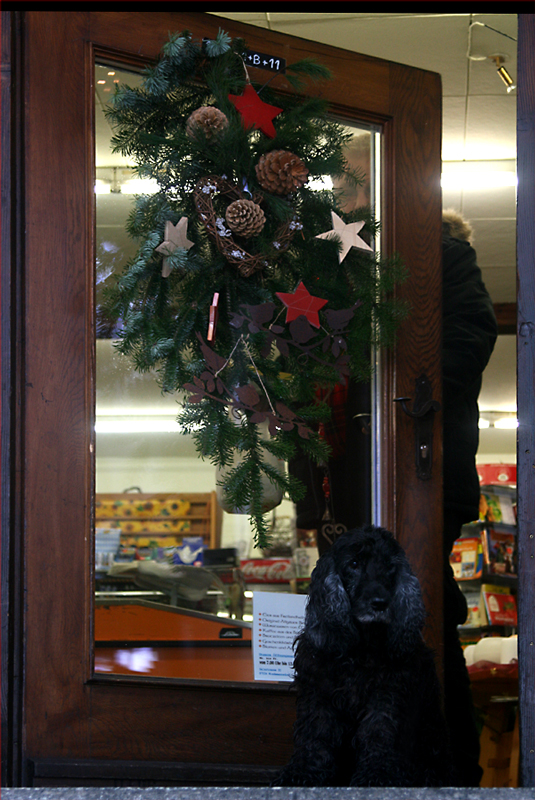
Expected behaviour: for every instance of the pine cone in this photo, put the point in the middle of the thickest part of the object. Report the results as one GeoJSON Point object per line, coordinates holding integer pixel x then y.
{"type": "Point", "coordinates": [281, 172]}
{"type": "Point", "coordinates": [245, 218]}
{"type": "Point", "coordinates": [208, 120]}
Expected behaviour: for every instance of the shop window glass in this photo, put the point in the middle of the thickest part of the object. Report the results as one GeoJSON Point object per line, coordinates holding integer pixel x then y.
{"type": "Point", "coordinates": [175, 574]}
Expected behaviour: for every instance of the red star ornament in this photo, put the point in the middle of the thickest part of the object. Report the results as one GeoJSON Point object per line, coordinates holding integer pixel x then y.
{"type": "Point", "coordinates": [254, 112]}
{"type": "Point", "coordinates": [301, 302]}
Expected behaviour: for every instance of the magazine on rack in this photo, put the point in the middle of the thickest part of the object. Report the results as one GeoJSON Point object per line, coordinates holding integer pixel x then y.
{"type": "Point", "coordinates": [499, 550]}
{"type": "Point", "coordinates": [466, 558]}
{"type": "Point", "coordinates": [498, 605]}
{"type": "Point", "coordinates": [496, 504]}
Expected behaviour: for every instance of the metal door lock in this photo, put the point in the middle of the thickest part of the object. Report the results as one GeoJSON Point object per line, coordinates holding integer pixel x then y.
{"type": "Point", "coordinates": [423, 410]}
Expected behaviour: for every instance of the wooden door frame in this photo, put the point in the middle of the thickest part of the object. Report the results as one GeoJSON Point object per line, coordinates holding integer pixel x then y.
{"type": "Point", "coordinates": [51, 404]}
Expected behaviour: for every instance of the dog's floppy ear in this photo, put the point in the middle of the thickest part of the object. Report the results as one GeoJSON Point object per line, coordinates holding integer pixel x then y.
{"type": "Point", "coordinates": [328, 607]}
{"type": "Point", "coordinates": [407, 609]}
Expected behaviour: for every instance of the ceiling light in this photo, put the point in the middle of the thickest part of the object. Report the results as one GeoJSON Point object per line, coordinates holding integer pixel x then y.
{"type": "Point", "coordinates": [123, 180]}
{"type": "Point", "coordinates": [506, 420]}
{"type": "Point", "coordinates": [102, 187]}
{"type": "Point", "coordinates": [506, 423]}
{"type": "Point", "coordinates": [140, 186]}
{"type": "Point", "coordinates": [499, 60]}
{"type": "Point", "coordinates": [471, 176]}
{"type": "Point", "coordinates": [480, 50]}
{"type": "Point", "coordinates": [476, 181]}
{"type": "Point", "coordinates": [139, 425]}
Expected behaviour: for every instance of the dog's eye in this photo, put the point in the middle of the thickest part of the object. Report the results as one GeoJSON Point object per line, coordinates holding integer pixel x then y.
{"type": "Point", "coordinates": [354, 564]}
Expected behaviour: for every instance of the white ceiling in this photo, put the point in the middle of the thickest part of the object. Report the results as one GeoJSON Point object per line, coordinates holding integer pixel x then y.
{"type": "Point", "coordinates": [479, 115]}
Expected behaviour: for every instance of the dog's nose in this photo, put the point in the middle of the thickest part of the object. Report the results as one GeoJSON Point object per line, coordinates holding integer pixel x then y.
{"type": "Point", "coordinates": [378, 603]}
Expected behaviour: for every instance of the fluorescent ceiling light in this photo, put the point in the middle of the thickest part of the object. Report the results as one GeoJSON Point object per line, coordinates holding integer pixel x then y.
{"type": "Point", "coordinates": [473, 179]}
{"type": "Point", "coordinates": [123, 180]}
{"type": "Point", "coordinates": [139, 425]}
{"type": "Point", "coordinates": [140, 186]}
{"type": "Point", "coordinates": [170, 410]}
{"type": "Point", "coordinates": [506, 423]}
{"type": "Point", "coordinates": [102, 187]}
{"type": "Point", "coordinates": [498, 419]}
{"type": "Point", "coordinates": [489, 149]}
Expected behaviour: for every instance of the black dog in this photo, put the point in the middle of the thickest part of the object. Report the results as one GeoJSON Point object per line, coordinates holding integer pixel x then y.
{"type": "Point", "coordinates": [368, 698]}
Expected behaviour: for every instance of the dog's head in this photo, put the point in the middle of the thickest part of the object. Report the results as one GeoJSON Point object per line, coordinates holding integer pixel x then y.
{"type": "Point", "coordinates": [364, 580]}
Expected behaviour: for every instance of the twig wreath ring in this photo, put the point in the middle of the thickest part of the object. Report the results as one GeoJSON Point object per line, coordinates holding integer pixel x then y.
{"type": "Point", "coordinates": [205, 193]}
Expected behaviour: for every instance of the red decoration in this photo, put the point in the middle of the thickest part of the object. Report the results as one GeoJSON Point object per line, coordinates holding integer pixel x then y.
{"type": "Point", "coordinates": [301, 302]}
{"type": "Point", "coordinates": [254, 112]}
{"type": "Point", "coordinates": [212, 321]}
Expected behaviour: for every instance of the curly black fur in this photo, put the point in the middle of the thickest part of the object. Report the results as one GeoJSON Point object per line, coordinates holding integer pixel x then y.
{"type": "Point", "coordinates": [368, 699]}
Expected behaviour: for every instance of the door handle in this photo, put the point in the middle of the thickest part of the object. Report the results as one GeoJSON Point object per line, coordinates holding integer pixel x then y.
{"type": "Point", "coordinates": [422, 411]}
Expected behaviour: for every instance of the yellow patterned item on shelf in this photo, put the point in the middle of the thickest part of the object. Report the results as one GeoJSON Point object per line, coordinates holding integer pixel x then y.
{"type": "Point", "coordinates": [133, 507]}
{"type": "Point", "coordinates": [150, 541]}
{"type": "Point", "coordinates": [109, 508]}
{"type": "Point", "coordinates": [147, 508]}
{"type": "Point", "coordinates": [171, 525]}
{"type": "Point", "coordinates": [174, 507]}
{"type": "Point", "coordinates": [150, 525]}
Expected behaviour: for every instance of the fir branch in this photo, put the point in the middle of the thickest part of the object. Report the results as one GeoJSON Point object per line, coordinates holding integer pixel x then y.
{"type": "Point", "coordinates": [216, 47]}
{"type": "Point", "coordinates": [173, 48]}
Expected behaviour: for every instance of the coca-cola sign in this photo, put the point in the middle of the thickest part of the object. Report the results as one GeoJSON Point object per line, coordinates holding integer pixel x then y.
{"type": "Point", "coordinates": [267, 570]}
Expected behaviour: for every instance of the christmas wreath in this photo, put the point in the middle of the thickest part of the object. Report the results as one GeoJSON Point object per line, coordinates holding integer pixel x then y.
{"type": "Point", "coordinates": [249, 289]}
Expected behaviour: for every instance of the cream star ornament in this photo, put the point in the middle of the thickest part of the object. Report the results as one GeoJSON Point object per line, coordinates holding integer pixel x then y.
{"type": "Point", "coordinates": [348, 235]}
{"type": "Point", "coordinates": [175, 236]}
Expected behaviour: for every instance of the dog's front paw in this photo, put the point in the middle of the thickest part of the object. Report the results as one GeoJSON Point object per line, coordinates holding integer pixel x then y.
{"type": "Point", "coordinates": [384, 774]}
{"type": "Point", "coordinates": [303, 775]}
{"type": "Point", "coordinates": [291, 777]}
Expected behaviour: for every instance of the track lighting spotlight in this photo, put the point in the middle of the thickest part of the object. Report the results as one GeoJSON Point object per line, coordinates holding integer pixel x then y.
{"type": "Point", "coordinates": [499, 60]}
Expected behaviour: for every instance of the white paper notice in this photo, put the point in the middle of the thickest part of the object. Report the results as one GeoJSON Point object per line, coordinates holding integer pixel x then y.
{"type": "Point", "coordinates": [278, 618]}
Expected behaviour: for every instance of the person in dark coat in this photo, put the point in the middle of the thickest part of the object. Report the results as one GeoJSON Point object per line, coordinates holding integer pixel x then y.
{"type": "Point", "coordinates": [469, 335]}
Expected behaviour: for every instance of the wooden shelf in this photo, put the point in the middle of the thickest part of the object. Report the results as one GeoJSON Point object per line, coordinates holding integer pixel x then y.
{"type": "Point", "coordinates": [161, 514]}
